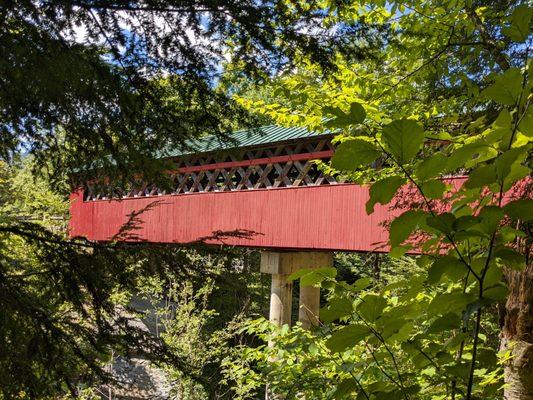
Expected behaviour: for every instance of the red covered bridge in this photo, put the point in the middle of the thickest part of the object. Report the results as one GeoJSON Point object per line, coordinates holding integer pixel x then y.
{"type": "Point", "coordinates": [265, 190]}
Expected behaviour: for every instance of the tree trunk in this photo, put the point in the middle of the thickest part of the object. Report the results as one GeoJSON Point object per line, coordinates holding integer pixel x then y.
{"type": "Point", "coordinates": [517, 335]}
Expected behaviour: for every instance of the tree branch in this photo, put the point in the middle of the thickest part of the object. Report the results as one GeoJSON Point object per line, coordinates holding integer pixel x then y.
{"type": "Point", "coordinates": [488, 42]}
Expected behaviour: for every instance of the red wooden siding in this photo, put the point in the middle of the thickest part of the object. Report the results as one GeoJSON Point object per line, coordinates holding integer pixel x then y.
{"type": "Point", "coordinates": [313, 217]}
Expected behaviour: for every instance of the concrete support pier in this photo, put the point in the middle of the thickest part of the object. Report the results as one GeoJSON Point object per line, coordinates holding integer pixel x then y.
{"type": "Point", "coordinates": [276, 265]}
{"type": "Point", "coordinates": [280, 265]}
{"type": "Point", "coordinates": [309, 306]}
{"type": "Point", "coordinates": [280, 300]}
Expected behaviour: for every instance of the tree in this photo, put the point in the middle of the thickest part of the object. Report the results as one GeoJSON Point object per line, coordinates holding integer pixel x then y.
{"type": "Point", "coordinates": [448, 94]}
{"type": "Point", "coordinates": [101, 88]}
{"type": "Point", "coordinates": [93, 69]}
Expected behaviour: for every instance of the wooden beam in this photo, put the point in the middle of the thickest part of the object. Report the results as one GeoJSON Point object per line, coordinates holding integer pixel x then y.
{"type": "Point", "coordinates": [316, 155]}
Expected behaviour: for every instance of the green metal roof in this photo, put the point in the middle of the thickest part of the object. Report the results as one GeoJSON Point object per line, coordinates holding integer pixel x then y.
{"type": "Point", "coordinates": [269, 134]}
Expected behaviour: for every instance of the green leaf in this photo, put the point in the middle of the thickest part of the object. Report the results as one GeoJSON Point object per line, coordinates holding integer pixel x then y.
{"type": "Point", "coordinates": [335, 111]}
{"type": "Point", "coordinates": [484, 175]}
{"type": "Point", "coordinates": [454, 302]}
{"type": "Point", "coordinates": [526, 123]}
{"type": "Point", "coordinates": [337, 308]}
{"type": "Point", "coordinates": [433, 189]}
{"type": "Point", "coordinates": [431, 167]}
{"type": "Point", "coordinates": [361, 284]}
{"type": "Point", "coordinates": [487, 357]}
{"type": "Point", "coordinates": [517, 172]}
{"type": "Point", "coordinates": [371, 307]}
{"type": "Point", "coordinates": [299, 273]}
{"type": "Point", "coordinates": [448, 267]}
{"type": "Point", "coordinates": [445, 323]}
{"type": "Point", "coordinates": [507, 87]}
{"type": "Point", "coordinates": [493, 275]}
{"type": "Point", "coordinates": [317, 276]}
{"type": "Point", "coordinates": [520, 209]}
{"type": "Point", "coordinates": [505, 162]}
{"type": "Point", "coordinates": [508, 234]}
{"type": "Point", "coordinates": [496, 292]}
{"type": "Point", "coordinates": [443, 223]}
{"type": "Point", "coordinates": [519, 29]}
{"type": "Point", "coordinates": [490, 219]}
{"type": "Point", "coordinates": [459, 370]}
{"type": "Point", "coordinates": [395, 324]}
{"type": "Point", "coordinates": [402, 226]}
{"type": "Point", "coordinates": [383, 191]}
{"type": "Point", "coordinates": [313, 349]}
{"type": "Point", "coordinates": [345, 388]}
{"type": "Point", "coordinates": [465, 222]}
{"type": "Point", "coordinates": [470, 155]}
{"type": "Point", "coordinates": [403, 138]}
{"type": "Point", "coordinates": [501, 130]}
{"type": "Point", "coordinates": [346, 337]}
{"type": "Point", "coordinates": [357, 113]}
{"type": "Point", "coordinates": [354, 153]}
{"type": "Point", "coordinates": [399, 251]}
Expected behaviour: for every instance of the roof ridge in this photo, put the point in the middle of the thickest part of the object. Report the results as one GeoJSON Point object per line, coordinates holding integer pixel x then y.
{"type": "Point", "coordinates": [244, 138]}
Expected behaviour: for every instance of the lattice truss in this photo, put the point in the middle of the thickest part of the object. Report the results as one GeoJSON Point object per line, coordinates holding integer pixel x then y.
{"type": "Point", "coordinates": [286, 165]}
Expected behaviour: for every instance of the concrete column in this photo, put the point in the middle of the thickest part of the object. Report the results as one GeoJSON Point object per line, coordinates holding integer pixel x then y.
{"type": "Point", "coordinates": [309, 306]}
{"type": "Point", "coordinates": [280, 265]}
{"type": "Point", "coordinates": [280, 300]}
{"type": "Point", "coordinates": [309, 302]}
{"type": "Point", "coordinates": [281, 289]}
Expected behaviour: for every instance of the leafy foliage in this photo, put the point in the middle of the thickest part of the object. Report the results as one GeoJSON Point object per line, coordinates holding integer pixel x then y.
{"type": "Point", "coordinates": [198, 318]}
{"type": "Point", "coordinates": [131, 80]}
{"type": "Point", "coordinates": [448, 97]}
{"type": "Point", "coordinates": [105, 88]}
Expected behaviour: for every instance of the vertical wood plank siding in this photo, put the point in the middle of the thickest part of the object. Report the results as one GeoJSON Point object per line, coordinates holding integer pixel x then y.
{"type": "Point", "coordinates": [312, 218]}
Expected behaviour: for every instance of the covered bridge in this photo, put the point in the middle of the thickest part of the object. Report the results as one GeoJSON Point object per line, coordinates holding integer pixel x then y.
{"type": "Point", "coordinates": [263, 190]}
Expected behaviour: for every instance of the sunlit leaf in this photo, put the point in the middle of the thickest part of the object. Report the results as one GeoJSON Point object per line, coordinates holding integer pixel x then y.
{"type": "Point", "coordinates": [354, 153]}
{"type": "Point", "coordinates": [507, 87]}
{"type": "Point", "coordinates": [346, 337]}
{"type": "Point", "coordinates": [470, 155]}
{"type": "Point", "coordinates": [403, 138]}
